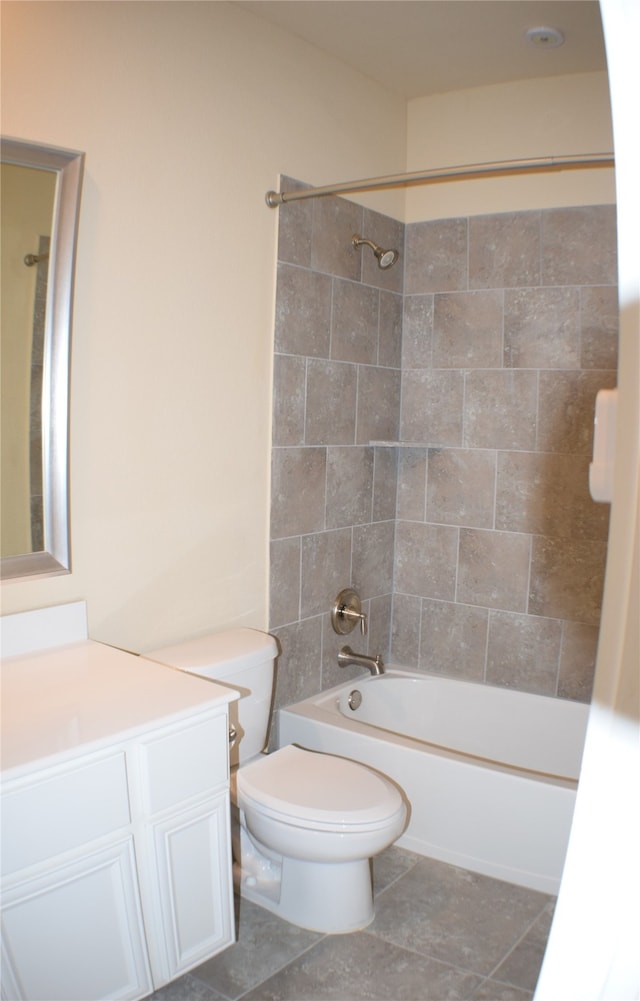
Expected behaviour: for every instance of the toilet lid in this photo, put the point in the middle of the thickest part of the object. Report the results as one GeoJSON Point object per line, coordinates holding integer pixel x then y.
{"type": "Point", "coordinates": [301, 785]}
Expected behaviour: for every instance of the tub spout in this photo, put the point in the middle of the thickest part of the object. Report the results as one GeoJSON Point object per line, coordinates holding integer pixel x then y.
{"type": "Point", "coordinates": [373, 664]}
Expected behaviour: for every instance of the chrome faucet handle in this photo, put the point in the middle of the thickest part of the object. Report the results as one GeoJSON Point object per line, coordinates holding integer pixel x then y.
{"type": "Point", "coordinates": [347, 612]}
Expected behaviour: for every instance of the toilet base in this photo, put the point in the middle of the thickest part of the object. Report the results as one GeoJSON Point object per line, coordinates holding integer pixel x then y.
{"type": "Point", "coordinates": [334, 898]}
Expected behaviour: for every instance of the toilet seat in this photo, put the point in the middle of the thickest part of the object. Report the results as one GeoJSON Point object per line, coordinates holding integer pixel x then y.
{"type": "Point", "coordinates": [307, 789]}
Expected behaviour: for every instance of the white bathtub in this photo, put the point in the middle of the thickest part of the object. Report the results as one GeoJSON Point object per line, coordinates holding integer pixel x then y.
{"type": "Point", "coordinates": [490, 774]}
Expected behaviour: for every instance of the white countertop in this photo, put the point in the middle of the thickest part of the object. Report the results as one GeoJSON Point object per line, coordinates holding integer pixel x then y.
{"type": "Point", "coordinates": [79, 697]}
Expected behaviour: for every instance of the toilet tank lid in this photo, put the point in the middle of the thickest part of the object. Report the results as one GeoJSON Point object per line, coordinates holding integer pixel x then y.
{"type": "Point", "coordinates": [225, 651]}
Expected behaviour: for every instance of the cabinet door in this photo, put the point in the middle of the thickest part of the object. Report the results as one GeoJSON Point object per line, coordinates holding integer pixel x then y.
{"type": "Point", "coordinates": [75, 932]}
{"type": "Point", "coordinates": [193, 864]}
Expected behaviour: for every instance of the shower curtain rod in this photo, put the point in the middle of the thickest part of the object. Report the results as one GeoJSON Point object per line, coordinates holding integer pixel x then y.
{"type": "Point", "coordinates": [277, 198]}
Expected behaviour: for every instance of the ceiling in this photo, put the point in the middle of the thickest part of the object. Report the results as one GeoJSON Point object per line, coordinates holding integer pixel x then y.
{"type": "Point", "coordinates": [420, 47]}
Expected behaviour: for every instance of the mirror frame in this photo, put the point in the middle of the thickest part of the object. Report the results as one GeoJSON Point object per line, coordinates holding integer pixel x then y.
{"type": "Point", "coordinates": [68, 165]}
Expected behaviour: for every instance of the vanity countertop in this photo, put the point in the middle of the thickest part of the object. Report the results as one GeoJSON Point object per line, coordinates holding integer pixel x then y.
{"type": "Point", "coordinates": [79, 697]}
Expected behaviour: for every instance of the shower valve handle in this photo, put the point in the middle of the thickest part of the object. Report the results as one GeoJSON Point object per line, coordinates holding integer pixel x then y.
{"type": "Point", "coordinates": [355, 617]}
{"type": "Point", "coordinates": [347, 612]}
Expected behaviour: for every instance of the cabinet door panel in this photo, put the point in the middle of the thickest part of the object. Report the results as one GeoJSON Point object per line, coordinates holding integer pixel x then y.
{"type": "Point", "coordinates": [76, 932]}
{"type": "Point", "coordinates": [194, 865]}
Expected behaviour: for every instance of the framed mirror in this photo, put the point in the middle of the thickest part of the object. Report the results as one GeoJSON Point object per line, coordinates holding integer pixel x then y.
{"type": "Point", "coordinates": [41, 187]}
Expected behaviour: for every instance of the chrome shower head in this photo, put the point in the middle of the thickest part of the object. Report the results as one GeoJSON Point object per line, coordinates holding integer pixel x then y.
{"type": "Point", "coordinates": [385, 258]}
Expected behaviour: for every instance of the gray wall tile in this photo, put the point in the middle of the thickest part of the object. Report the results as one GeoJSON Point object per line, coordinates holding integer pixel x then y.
{"type": "Point", "coordinates": [460, 486]}
{"type": "Point", "coordinates": [493, 569]}
{"type": "Point", "coordinates": [417, 332]}
{"type": "Point", "coordinates": [566, 404]}
{"type": "Point", "coordinates": [542, 328]}
{"type": "Point", "coordinates": [349, 486]}
{"type": "Point", "coordinates": [577, 661]}
{"type": "Point", "coordinates": [354, 326]}
{"type": "Point", "coordinates": [599, 323]}
{"type": "Point", "coordinates": [298, 478]}
{"type": "Point", "coordinates": [523, 652]}
{"type": "Point", "coordinates": [500, 409]}
{"type": "Point", "coordinates": [295, 227]}
{"type": "Point", "coordinates": [298, 670]}
{"type": "Point", "coordinates": [405, 630]}
{"type": "Point", "coordinates": [325, 565]}
{"type": "Point", "coordinates": [453, 639]}
{"type": "Point", "coordinates": [303, 312]}
{"type": "Point", "coordinates": [390, 330]}
{"type": "Point", "coordinates": [432, 402]}
{"type": "Point", "coordinates": [335, 220]}
{"type": "Point", "coordinates": [567, 577]}
{"type": "Point", "coordinates": [289, 399]}
{"type": "Point", "coordinates": [548, 494]}
{"type": "Point", "coordinates": [379, 633]}
{"type": "Point", "coordinates": [385, 479]}
{"type": "Point", "coordinates": [426, 560]}
{"type": "Point", "coordinates": [378, 404]}
{"type": "Point", "coordinates": [504, 250]}
{"type": "Point", "coordinates": [412, 484]}
{"type": "Point", "coordinates": [284, 584]}
{"type": "Point", "coordinates": [579, 246]}
{"type": "Point", "coordinates": [372, 566]}
{"type": "Point", "coordinates": [436, 256]}
{"type": "Point", "coordinates": [467, 330]}
{"type": "Point", "coordinates": [330, 417]}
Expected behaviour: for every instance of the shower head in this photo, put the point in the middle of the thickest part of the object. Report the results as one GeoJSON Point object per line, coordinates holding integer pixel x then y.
{"type": "Point", "coordinates": [386, 258]}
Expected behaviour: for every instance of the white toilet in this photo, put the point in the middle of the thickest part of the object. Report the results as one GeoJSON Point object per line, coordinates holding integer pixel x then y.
{"type": "Point", "coordinates": [308, 822]}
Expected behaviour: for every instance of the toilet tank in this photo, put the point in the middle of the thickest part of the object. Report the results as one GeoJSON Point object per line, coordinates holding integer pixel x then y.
{"type": "Point", "coordinates": [242, 659]}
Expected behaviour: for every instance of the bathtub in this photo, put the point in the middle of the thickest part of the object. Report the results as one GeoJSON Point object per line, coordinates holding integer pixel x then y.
{"type": "Point", "coordinates": [489, 774]}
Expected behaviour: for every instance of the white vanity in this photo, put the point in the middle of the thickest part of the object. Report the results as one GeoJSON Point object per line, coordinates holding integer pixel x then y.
{"type": "Point", "coordinates": [116, 854]}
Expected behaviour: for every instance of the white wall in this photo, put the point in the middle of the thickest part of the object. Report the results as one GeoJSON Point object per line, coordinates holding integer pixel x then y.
{"type": "Point", "coordinates": [187, 114]}
{"type": "Point", "coordinates": [561, 115]}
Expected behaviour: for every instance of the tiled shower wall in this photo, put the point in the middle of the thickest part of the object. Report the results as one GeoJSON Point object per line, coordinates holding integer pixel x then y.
{"type": "Point", "coordinates": [510, 329]}
{"type": "Point", "coordinates": [338, 346]}
{"type": "Point", "coordinates": [477, 550]}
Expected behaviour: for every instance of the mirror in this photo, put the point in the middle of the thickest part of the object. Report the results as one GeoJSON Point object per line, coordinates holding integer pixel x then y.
{"type": "Point", "coordinates": [40, 190]}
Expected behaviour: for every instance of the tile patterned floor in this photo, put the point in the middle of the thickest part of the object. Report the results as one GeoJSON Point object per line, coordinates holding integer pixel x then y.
{"type": "Point", "coordinates": [439, 933]}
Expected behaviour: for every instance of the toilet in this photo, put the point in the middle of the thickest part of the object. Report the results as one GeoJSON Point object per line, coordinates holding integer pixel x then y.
{"type": "Point", "coordinates": [306, 824]}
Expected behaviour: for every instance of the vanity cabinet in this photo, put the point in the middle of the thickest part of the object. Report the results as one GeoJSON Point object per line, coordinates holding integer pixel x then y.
{"type": "Point", "coordinates": [116, 853]}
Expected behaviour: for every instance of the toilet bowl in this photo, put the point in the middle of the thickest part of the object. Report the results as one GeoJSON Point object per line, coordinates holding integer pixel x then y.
{"type": "Point", "coordinates": [306, 823]}
{"type": "Point", "coordinates": [312, 822]}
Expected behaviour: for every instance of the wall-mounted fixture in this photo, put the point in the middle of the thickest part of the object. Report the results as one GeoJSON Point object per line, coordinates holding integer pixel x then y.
{"type": "Point", "coordinates": [385, 258]}
{"type": "Point", "coordinates": [347, 657]}
{"type": "Point", "coordinates": [347, 613]}
{"type": "Point", "coordinates": [31, 260]}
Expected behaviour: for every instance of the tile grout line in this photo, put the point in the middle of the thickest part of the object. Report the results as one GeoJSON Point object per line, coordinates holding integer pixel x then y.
{"type": "Point", "coordinates": [394, 881]}
{"type": "Point", "coordinates": [510, 951]}
{"type": "Point", "coordinates": [274, 973]}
